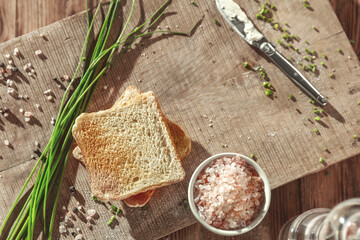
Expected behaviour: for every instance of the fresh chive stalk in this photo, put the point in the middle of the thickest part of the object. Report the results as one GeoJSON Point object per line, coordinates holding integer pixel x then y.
{"type": "Point", "coordinates": [51, 163]}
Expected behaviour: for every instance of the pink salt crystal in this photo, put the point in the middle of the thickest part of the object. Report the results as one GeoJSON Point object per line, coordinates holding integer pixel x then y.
{"type": "Point", "coordinates": [69, 214]}
{"type": "Point", "coordinates": [228, 193]}
{"type": "Point", "coordinates": [28, 114]}
{"type": "Point", "coordinates": [88, 225]}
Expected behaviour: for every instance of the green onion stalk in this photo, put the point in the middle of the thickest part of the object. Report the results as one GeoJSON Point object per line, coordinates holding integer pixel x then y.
{"type": "Point", "coordinates": [51, 164]}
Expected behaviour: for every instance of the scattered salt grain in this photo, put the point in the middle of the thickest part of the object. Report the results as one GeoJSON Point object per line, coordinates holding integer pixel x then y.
{"type": "Point", "coordinates": [88, 218]}
{"type": "Point", "coordinates": [28, 114]}
{"type": "Point", "coordinates": [66, 78]}
{"type": "Point", "coordinates": [47, 92]}
{"type": "Point", "coordinates": [7, 55]}
{"type": "Point", "coordinates": [38, 106]}
{"type": "Point", "coordinates": [50, 98]}
{"type": "Point", "coordinates": [52, 121]}
{"type": "Point", "coordinates": [37, 144]}
{"type": "Point", "coordinates": [9, 83]}
{"type": "Point", "coordinates": [32, 71]}
{"type": "Point", "coordinates": [38, 52]}
{"type": "Point", "coordinates": [62, 229]}
{"type": "Point", "coordinates": [228, 193]}
{"type": "Point", "coordinates": [12, 92]}
{"type": "Point", "coordinates": [11, 62]}
{"type": "Point", "coordinates": [7, 143]}
{"type": "Point", "coordinates": [88, 225]}
{"type": "Point", "coordinates": [91, 213]}
{"type": "Point", "coordinates": [69, 214]}
{"type": "Point", "coordinates": [21, 110]}
{"type": "Point", "coordinates": [79, 237]}
{"type": "Point", "coordinates": [42, 36]}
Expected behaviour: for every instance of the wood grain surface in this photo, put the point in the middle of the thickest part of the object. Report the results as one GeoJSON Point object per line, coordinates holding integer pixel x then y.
{"type": "Point", "coordinates": [323, 189]}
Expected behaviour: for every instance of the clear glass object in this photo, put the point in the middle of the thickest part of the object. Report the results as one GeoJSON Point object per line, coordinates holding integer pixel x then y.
{"type": "Point", "coordinates": [340, 223]}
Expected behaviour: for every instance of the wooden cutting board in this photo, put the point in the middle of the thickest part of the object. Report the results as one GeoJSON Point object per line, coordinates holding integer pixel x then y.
{"type": "Point", "coordinates": [202, 85]}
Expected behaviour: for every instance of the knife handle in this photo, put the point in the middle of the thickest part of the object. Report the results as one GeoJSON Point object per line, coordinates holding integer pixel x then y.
{"type": "Point", "coordinates": [294, 74]}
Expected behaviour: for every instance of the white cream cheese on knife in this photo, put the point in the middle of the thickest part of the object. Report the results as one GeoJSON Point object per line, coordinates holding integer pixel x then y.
{"type": "Point", "coordinates": [232, 10]}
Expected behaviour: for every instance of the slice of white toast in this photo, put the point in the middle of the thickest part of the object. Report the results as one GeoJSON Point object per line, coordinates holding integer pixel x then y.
{"type": "Point", "coordinates": [128, 149]}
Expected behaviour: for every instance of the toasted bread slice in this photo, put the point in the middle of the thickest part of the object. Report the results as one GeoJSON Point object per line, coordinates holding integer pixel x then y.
{"type": "Point", "coordinates": [128, 150]}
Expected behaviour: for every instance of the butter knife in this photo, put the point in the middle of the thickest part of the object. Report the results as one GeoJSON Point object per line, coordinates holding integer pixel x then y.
{"type": "Point", "coordinates": [242, 25]}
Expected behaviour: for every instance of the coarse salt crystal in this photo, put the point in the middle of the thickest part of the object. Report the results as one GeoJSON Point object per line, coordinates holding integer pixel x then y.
{"type": "Point", "coordinates": [28, 114]}
{"type": "Point", "coordinates": [91, 213]}
{"type": "Point", "coordinates": [7, 55]}
{"type": "Point", "coordinates": [12, 92]}
{"type": "Point", "coordinates": [38, 52]}
{"type": "Point", "coordinates": [48, 92]}
{"type": "Point", "coordinates": [62, 229]}
{"type": "Point", "coordinates": [79, 237]}
{"type": "Point", "coordinates": [6, 142]}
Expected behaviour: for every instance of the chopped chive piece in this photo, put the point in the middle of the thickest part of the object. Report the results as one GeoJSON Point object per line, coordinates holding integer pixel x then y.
{"type": "Point", "coordinates": [296, 49]}
{"type": "Point", "coordinates": [194, 3]}
{"type": "Point", "coordinates": [317, 118]}
{"type": "Point", "coordinates": [258, 16]}
{"type": "Point", "coordinates": [278, 41]}
{"type": "Point", "coordinates": [321, 160]}
{"type": "Point", "coordinates": [113, 208]}
{"type": "Point", "coordinates": [305, 58]}
{"type": "Point", "coordinates": [276, 25]}
{"type": "Point", "coordinates": [306, 42]}
{"type": "Point", "coordinates": [289, 45]}
{"type": "Point", "coordinates": [315, 130]}
{"type": "Point", "coordinates": [251, 155]}
{"type": "Point", "coordinates": [313, 52]}
{"type": "Point", "coordinates": [358, 103]}
{"type": "Point", "coordinates": [111, 220]}
{"type": "Point", "coordinates": [354, 136]}
{"type": "Point", "coordinates": [352, 41]}
{"type": "Point", "coordinates": [311, 101]}
{"type": "Point", "coordinates": [246, 64]}
{"type": "Point", "coordinates": [339, 50]}
{"type": "Point", "coordinates": [325, 149]}
{"type": "Point", "coordinates": [307, 51]}
{"type": "Point", "coordinates": [144, 207]}
{"type": "Point", "coordinates": [268, 92]}
{"type": "Point", "coordinates": [267, 84]}
{"type": "Point", "coordinates": [216, 22]}
{"type": "Point", "coordinates": [291, 96]}
{"type": "Point", "coordinates": [322, 63]}
{"type": "Point", "coordinates": [272, 6]}
{"type": "Point", "coordinates": [313, 69]}
{"type": "Point", "coordinates": [316, 111]}
{"type": "Point", "coordinates": [331, 75]}
{"type": "Point", "coordinates": [285, 29]}
{"type": "Point", "coordinates": [323, 55]}
{"type": "Point", "coordinates": [313, 27]}
{"type": "Point", "coordinates": [321, 110]}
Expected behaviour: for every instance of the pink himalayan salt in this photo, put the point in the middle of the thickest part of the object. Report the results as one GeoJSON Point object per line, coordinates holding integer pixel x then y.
{"type": "Point", "coordinates": [228, 193]}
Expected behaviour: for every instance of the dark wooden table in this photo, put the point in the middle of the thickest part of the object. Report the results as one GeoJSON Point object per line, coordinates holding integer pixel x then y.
{"type": "Point", "coordinates": [324, 189]}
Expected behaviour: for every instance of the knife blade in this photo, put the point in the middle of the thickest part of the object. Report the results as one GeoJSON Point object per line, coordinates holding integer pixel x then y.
{"type": "Point", "coordinates": [239, 21]}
